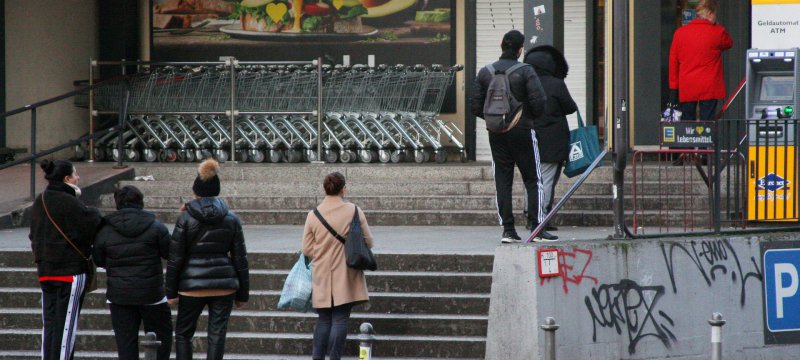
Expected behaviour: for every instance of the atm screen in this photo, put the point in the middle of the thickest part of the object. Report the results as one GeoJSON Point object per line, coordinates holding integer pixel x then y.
{"type": "Point", "coordinates": [777, 88]}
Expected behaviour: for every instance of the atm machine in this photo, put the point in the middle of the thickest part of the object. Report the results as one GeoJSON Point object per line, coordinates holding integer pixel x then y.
{"type": "Point", "coordinates": [771, 128]}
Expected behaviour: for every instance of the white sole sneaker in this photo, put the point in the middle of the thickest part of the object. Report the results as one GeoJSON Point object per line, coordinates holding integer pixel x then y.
{"type": "Point", "coordinates": [538, 239]}
{"type": "Point", "coordinates": [510, 241]}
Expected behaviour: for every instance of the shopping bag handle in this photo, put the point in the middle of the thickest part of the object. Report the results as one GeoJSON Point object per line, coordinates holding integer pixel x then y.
{"type": "Point", "coordinates": [580, 120]}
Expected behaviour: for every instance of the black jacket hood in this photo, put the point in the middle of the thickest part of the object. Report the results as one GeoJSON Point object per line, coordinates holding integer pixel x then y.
{"type": "Point", "coordinates": [130, 222]}
{"type": "Point", "coordinates": [210, 210]}
{"type": "Point", "coordinates": [547, 60]}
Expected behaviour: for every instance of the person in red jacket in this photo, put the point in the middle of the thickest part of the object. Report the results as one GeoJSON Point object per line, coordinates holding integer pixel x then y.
{"type": "Point", "coordinates": [695, 63]}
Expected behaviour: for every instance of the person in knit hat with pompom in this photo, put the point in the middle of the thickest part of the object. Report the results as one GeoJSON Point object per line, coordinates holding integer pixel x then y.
{"type": "Point", "coordinates": [207, 265]}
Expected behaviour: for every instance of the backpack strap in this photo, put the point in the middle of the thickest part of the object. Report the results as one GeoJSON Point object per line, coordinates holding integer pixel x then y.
{"type": "Point", "coordinates": [515, 67]}
{"type": "Point", "coordinates": [490, 68]}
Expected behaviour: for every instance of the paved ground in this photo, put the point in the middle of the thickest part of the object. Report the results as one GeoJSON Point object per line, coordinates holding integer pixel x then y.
{"type": "Point", "coordinates": [16, 180]}
{"type": "Point", "coordinates": [388, 239]}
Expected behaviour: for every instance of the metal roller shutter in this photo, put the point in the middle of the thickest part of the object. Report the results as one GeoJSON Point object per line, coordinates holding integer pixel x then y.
{"type": "Point", "coordinates": [575, 50]}
{"type": "Point", "coordinates": [494, 18]}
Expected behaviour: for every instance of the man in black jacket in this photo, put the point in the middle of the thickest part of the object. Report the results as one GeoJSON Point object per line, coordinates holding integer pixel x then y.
{"type": "Point", "coordinates": [130, 246]}
{"type": "Point", "coordinates": [517, 145]}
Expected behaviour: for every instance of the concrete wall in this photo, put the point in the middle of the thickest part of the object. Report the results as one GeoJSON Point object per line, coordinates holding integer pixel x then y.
{"type": "Point", "coordinates": [643, 299]}
{"type": "Point", "coordinates": [47, 46]}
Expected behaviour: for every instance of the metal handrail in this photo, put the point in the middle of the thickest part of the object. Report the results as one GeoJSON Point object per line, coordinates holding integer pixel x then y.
{"type": "Point", "coordinates": [54, 99]}
{"type": "Point", "coordinates": [567, 195]}
{"type": "Point", "coordinates": [92, 135]}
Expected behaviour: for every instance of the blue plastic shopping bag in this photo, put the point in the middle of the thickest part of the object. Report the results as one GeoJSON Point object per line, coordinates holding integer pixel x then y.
{"type": "Point", "coordinates": [296, 293]}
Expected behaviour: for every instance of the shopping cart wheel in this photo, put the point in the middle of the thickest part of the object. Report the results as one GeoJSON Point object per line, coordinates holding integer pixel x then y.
{"type": "Point", "coordinates": [133, 155]}
{"type": "Point", "coordinates": [346, 156]}
{"type": "Point", "coordinates": [150, 155]}
{"type": "Point", "coordinates": [331, 156]}
{"type": "Point", "coordinates": [310, 155]}
{"type": "Point", "coordinates": [188, 155]}
{"type": "Point", "coordinates": [241, 155]}
{"type": "Point", "coordinates": [463, 156]}
{"type": "Point", "coordinates": [256, 156]}
{"type": "Point", "coordinates": [274, 156]}
{"type": "Point", "coordinates": [221, 155]}
{"type": "Point", "coordinates": [294, 155]}
{"type": "Point", "coordinates": [169, 155]}
{"type": "Point", "coordinates": [365, 156]}
{"type": "Point", "coordinates": [441, 156]}
{"type": "Point", "coordinates": [384, 156]}
{"type": "Point", "coordinates": [397, 156]}
{"type": "Point", "coordinates": [419, 156]}
{"type": "Point", "coordinates": [115, 155]}
{"type": "Point", "coordinates": [80, 152]}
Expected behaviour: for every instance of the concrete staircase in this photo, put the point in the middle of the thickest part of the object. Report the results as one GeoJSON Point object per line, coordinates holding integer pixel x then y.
{"type": "Point", "coordinates": [422, 307]}
{"type": "Point", "coordinates": [436, 195]}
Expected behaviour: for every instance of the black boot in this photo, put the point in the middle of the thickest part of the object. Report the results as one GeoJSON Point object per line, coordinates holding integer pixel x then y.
{"type": "Point", "coordinates": [183, 350]}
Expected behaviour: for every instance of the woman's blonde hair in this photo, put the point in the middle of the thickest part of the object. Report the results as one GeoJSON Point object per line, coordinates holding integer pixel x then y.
{"type": "Point", "coordinates": [706, 7]}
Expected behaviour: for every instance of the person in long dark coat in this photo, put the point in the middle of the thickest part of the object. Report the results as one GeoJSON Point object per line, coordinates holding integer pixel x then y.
{"type": "Point", "coordinates": [552, 129]}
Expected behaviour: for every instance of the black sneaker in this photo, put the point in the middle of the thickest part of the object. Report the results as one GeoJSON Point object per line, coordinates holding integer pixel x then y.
{"type": "Point", "coordinates": [510, 237]}
{"type": "Point", "coordinates": [545, 236]}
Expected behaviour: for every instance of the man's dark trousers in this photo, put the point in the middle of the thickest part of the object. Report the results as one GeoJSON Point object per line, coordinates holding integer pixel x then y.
{"type": "Point", "coordinates": [699, 110]}
{"type": "Point", "coordinates": [126, 320]}
{"type": "Point", "coordinates": [517, 146]}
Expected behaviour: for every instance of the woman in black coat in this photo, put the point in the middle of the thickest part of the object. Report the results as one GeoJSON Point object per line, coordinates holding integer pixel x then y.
{"type": "Point", "coordinates": [62, 233]}
{"type": "Point", "coordinates": [552, 129]}
{"type": "Point", "coordinates": [207, 265]}
{"type": "Point", "coordinates": [130, 247]}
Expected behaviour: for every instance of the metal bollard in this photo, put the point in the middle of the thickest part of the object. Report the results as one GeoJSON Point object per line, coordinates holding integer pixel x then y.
{"type": "Point", "coordinates": [716, 323]}
{"type": "Point", "coordinates": [549, 328]}
{"type": "Point", "coordinates": [367, 336]}
{"type": "Point", "coordinates": [150, 345]}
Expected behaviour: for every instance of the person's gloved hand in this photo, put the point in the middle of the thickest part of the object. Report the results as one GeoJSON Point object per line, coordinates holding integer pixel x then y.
{"type": "Point", "coordinates": [673, 97]}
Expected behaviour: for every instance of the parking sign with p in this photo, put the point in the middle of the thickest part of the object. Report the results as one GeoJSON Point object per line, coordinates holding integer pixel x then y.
{"type": "Point", "coordinates": [781, 294]}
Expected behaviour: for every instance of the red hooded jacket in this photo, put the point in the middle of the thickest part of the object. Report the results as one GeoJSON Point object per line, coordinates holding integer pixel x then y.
{"type": "Point", "coordinates": [695, 61]}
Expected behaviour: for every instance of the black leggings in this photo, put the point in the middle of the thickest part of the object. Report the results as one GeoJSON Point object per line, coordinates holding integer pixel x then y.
{"type": "Point", "coordinates": [331, 330]}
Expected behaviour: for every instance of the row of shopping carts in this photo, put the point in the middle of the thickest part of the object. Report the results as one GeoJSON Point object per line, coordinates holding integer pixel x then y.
{"type": "Point", "coordinates": [371, 114]}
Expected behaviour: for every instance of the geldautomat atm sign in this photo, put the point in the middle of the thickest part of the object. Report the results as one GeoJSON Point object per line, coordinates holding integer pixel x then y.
{"type": "Point", "coordinates": [687, 135]}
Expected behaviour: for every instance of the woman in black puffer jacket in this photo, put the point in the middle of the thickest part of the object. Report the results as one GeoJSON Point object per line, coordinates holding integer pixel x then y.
{"type": "Point", "coordinates": [552, 129]}
{"type": "Point", "coordinates": [207, 265]}
{"type": "Point", "coordinates": [130, 247]}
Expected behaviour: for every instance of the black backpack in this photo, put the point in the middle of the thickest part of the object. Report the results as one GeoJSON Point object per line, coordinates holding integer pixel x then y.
{"type": "Point", "coordinates": [501, 107]}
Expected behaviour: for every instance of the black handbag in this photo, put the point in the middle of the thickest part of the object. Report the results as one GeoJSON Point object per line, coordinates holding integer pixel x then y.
{"type": "Point", "coordinates": [357, 254]}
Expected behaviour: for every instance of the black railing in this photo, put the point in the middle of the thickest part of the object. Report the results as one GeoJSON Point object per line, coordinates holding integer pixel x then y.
{"type": "Point", "coordinates": [32, 108]}
{"type": "Point", "coordinates": [744, 181]}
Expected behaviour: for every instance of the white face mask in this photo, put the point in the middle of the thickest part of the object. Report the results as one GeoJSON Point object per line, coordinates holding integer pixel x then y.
{"type": "Point", "coordinates": [76, 188]}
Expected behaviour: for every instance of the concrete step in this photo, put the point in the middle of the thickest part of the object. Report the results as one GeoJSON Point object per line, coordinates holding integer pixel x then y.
{"type": "Point", "coordinates": [36, 355]}
{"type": "Point", "coordinates": [403, 282]}
{"type": "Point", "coordinates": [288, 343]}
{"type": "Point", "coordinates": [360, 173]}
{"type": "Point", "coordinates": [267, 300]}
{"type": "Point", "coordinates": [401, 188]}
{"type": "Point", "coordinates": [281, 322]}
{"type": "Point", "coordinates": [285, 261]}
{"type": "Point", "coordinates": [452, 218]}
{"type": "Point", "coordinates": [433, 202]}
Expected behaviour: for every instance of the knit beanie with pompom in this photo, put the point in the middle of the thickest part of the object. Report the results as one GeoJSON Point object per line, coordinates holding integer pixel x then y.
{"type": "Point", "coordinates": [206, 184]}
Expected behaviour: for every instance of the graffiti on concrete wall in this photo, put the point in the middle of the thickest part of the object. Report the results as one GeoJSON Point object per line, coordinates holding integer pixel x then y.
{"type": "Point", "coordinates": [572, 266]}
{"type": "Point", "coordinates": [715, 260]}
{"type": "Point", "coordinates": [629, 307]}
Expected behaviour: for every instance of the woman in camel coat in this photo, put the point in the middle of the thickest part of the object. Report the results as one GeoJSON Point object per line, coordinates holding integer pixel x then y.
{"type": "Point", "coordinates": [336, 287]}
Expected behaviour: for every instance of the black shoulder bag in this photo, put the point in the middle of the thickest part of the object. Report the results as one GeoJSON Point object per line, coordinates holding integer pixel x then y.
{"type": "Point", "coordinates": [356, 251]}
